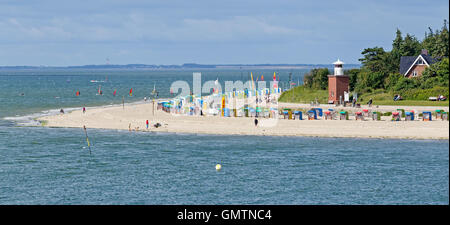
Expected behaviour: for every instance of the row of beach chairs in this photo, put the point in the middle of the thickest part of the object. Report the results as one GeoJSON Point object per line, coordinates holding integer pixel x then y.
{"type": "Point", "coordinates": [331, 114]}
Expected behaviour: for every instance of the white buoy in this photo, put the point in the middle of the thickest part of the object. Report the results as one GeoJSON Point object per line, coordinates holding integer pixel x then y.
{"type": "Point", "coordinates": [218, 167]}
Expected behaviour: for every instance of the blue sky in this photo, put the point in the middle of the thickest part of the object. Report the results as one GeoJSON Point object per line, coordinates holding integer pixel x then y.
{"type": "Point", "coordinates": [62, 33]}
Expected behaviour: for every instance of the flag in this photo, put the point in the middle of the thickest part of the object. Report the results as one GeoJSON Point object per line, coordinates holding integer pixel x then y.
{"type": "Point", "coordinates": [262, 77]}
{"type": "Point", "coordinates": [223, 105]}
{"type": "Point", "coordinates": [131, 92]}
{"type": "Point", "coordinates": [274, 76]}
{"type": "Point", "coordinates": [114, 93]}
{"type": "Point", "coordinates": [251, 74]}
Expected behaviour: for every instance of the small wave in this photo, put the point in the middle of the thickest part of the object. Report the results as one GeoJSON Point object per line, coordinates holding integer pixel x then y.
{"type": "Point", "coordinates": [30, 119]}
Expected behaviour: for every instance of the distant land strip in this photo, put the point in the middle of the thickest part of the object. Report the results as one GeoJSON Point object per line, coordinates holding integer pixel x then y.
{"type": "Point", "coordinates": [183, 66]}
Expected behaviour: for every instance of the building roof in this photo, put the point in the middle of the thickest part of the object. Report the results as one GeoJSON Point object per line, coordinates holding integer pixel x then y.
{"type": "Point", "coordinates": [406, 62]}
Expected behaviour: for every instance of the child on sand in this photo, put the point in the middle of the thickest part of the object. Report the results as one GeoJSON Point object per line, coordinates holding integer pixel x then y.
{"type": "Point", "coordinates": [146, 122]}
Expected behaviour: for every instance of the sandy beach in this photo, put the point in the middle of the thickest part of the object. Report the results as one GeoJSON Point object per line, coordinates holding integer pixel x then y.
{"type": "Point", "coordinates": [135, 116]}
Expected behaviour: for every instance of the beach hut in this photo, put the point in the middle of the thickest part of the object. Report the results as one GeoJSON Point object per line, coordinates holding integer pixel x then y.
{"type": "Point", "coordinates": [366, 112]}
{"type": "Point", "coordinates": [376, 116]}
{"type": "Point", "coordinates": [312, 115]}
{"type": "Point", "coordinates": [396, 116]}
{"type": "Point", "coordinates": [401, 112]}
{"type": "Point", "coordinates": [409, 116]}
{"type": "Point", "coordinates": [426, 116]}
{"type": "Point", "coordinates": [359, 116]}
{"type": "Point", "coordinates": [298, 115]}
{"type": "Point", "coordinates": [439, 113]}
{"type": "Point", "coordinates": [444, 116]}
{"type": "Point", "coordinates": [343, 115]}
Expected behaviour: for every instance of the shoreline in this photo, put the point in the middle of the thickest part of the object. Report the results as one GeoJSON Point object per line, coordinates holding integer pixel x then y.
{"type": "Point", "coordinates": [275, 135]}
{"type": "Point", "coordinates": [116, 118]}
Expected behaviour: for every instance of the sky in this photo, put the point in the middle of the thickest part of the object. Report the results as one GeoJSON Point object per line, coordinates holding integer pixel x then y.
{"type": "Point", "coordinates": [173, 32]}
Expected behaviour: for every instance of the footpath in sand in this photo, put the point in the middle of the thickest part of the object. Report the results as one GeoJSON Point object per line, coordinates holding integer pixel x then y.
{"type": "Point", "coordinates": [135, 116]}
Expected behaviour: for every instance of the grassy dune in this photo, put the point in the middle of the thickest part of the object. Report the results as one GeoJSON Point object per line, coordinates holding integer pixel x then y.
{"type": "Point", "coordinates": [302, 94]}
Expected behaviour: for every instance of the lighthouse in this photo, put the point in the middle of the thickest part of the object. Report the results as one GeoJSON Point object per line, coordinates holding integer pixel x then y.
{"type": "Point", "coordinates": [337, 83]}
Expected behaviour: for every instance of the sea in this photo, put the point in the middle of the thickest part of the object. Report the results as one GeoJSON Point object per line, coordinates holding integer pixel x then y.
{"type": "Point", "coordinates": [48, 166]}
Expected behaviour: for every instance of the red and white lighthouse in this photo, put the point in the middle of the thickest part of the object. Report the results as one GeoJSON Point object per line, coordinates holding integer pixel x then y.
{"type": "Point", "coordinates": [337, 83]}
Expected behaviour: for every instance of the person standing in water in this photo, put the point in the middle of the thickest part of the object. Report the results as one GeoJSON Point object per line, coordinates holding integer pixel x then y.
{"type": "Point", "coordinates": [146, 122]}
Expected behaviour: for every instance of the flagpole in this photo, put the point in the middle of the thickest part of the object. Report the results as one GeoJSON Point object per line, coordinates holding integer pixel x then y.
{"type": "Point", "coordinates": [87, 139]}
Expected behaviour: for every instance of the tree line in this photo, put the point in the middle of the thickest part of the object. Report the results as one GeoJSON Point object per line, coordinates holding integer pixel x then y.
{"type": "Point", "coordinates": [380, 68]}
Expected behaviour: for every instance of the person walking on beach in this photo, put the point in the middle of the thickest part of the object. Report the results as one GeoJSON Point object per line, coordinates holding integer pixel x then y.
{"type": "Point", "coordinates": [84, 109]}
{"type": "Point", "coordinates": [256, 122]}
{"type": "Point", "coordinates": [146, 122]}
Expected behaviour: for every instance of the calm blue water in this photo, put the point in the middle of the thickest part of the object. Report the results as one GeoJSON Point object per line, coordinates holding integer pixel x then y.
{"type": "Point", "coordinates": [53, 166]}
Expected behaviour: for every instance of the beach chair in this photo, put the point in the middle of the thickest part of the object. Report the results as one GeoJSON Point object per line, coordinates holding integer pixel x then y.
{"type": "Point", "coordinates": [343, 115]}
{"type": "Point", "coordinates": [328, 115]}
{"type": "Point", "coordinates": [426, 116]}
{"type": "Point", "coordinates": [444, 116]}
{"type": "Point", "coordinates": [409, 116]}
{"type": "Point", "coordinates": [366, 112]}
{"type": "Point", "coordinates": [285, 114]}
{"type": "Point", "coordinates": [319, 112]}
{"type": "Point", "coordinates": [439, 113]}
{"type": "Point", "coordinates": [333, 113]}
{"type": "Point", "coordinates": [376, 116]}
{"type": "Point", "coordinates": [359, 116]}
{"type": "Point", "coordinates": [312, 115]}
{"type": "Point", "coordinates": [298, 115]}
{"type": "Point", "coordinates": [396, 116]}
{"type": "Point", "coordinates": [401, 112]}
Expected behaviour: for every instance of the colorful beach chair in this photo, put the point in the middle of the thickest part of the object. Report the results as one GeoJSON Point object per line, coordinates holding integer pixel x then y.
{"type": "Point", "coordinates": [376, 116]}
{"type": "Point", "coordinates": [298, 115]}
{"type": "Point", "coordinates": [409, 116]}
{"type": "Point", "coordinates": [312, 115]}
{"type": "Point", "coordinates": [426, 116]}
{"type": "Point", "coordinates": [439, 113]}
{"type": "Point", "coordinates": [396, 116]}
{"type": "Point", "coordinates": [343, 115]}
{"type": "Point", "coordinates": [359, 116]}
{"type": "Point", "coordinates": [444, 116]}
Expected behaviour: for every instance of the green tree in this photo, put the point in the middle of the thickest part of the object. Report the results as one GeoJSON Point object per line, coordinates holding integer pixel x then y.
{"type": "Point", "coordinates": [405, 83]}
{"type": "Point", "coordinates": [368, 80]}
{"type": "Point", "coordinates": [391, 80]}
{"type": "Point", "coordinates": [353, 77]}
{"type": "Point", "coordinates": [410, 46]}
{"type": "Point", "coordinates": [393, 59]}
{"type": "Point", "coordinates": [373, 59]}
{"type": "Point", "coordinates": [436, 75]}
{"type": "Point", "coordinates": [442, 42]}
{"type": "Point", "coordinates": [317, 79]}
